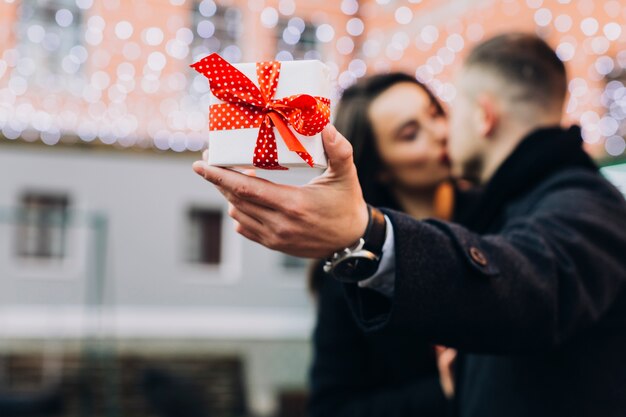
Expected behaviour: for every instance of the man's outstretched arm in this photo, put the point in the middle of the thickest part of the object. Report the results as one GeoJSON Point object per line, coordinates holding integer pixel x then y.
{"type": "Point", "coordinates": [545, 278]}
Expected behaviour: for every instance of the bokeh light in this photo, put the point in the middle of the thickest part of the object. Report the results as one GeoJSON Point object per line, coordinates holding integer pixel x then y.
{"type": "Point", "coordinates": [82, 66]}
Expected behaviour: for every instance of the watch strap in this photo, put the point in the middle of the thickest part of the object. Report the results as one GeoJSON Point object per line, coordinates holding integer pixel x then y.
{"type": "Point", "coordinates": [375, 232]}
{"type": "Point", "coordinates": [362, 259]}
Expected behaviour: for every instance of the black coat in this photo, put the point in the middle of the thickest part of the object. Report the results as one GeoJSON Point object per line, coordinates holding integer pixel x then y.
{"type": "Point", "coordinates": [389, 374]}
{"type": "Point", "coordinates": [532, 290]}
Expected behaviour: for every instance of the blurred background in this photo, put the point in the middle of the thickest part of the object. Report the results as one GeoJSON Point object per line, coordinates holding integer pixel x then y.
{"type": "Point", "coordinates": [123, 288]}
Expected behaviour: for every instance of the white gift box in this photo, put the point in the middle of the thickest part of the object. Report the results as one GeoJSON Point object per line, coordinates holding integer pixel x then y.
{"type": "Point", "coordinates": [235, 148]}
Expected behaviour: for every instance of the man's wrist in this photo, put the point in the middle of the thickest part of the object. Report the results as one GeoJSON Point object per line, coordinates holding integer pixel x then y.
{"type": "Point", "coordinates": [361, 224]}
{"type": "Point", "coordinates": [357, 229]}
{"type": "Point", "coordinates": [360, 261]}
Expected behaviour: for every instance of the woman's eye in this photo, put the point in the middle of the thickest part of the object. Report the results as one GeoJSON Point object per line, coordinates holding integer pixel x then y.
{"type": "Point", "coordinates": [408, 135]}
{"type": "Point", "coordinates": [408, 131]}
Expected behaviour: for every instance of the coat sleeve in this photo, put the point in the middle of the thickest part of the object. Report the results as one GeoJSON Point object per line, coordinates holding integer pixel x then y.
{"type": "Point", "coordinates": [341, 385]}
{"type": "Point", "coordinates": [543, 279]}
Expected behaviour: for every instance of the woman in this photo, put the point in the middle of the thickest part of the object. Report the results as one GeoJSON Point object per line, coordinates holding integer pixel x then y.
{"type": "Point", "coordinates": [398, 132]}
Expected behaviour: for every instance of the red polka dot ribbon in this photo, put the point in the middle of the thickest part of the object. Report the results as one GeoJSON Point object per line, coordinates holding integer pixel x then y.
{"type": "Point", "coordinates": [247, 106]}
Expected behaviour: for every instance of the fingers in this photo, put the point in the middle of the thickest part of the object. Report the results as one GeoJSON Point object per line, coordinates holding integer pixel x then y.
{"type": "Point", "coordinates": [257, 212]}
{"type": "Point", "coordinates": [447, 358]}
{"type": "Point", "coordinates": [255, 190]}
{"type": "Point", "coordinates": [445, 355]}
{"type": "Point", "coordinates": [246, 232]}
{"type": "Point", "coordinates": [445, 364]}
{"type": "Point", "coordinates": [242, 217]}
{"type": "Point", "coordinates": [246, 225]}
{"type": "Point", "coordinates": [338, 150]}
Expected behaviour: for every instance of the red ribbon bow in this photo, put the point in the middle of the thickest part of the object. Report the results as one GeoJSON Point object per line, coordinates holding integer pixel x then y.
{"type": "Point", "coordinates": [247, 106]}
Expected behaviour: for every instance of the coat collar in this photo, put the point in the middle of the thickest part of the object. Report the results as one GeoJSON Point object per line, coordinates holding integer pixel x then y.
{"type": "Point", "coordinates": [539, 155]}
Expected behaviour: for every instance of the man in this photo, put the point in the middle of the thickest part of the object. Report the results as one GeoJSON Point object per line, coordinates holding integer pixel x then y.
{"type": "Point", "coordinates": [531, 290]}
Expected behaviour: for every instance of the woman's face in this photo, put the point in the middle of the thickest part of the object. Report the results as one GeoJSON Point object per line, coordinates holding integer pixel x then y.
{"type": "Point", "coordinates": [410, 137]}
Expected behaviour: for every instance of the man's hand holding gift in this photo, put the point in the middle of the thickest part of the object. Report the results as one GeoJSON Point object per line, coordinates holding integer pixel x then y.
{"type": "Point", "coordinates": [269, 115]}
{"type": "Point", "coordinates": [313, 220]}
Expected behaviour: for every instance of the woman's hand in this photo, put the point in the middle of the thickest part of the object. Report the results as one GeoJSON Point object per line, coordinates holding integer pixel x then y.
{"type": "Point", "coordinates": [445, 362]}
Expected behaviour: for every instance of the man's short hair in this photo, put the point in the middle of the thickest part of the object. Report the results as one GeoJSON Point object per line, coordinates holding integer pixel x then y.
{"type": "Point", "coordinates": [524, 61]}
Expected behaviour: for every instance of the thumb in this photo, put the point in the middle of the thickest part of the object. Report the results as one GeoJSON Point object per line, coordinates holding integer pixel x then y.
{"type": "Point", "coordinates": [338, 150]}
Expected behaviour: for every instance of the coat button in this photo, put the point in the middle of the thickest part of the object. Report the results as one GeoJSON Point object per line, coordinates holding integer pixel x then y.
{"type": "Point", "coordinates": [478, 256]}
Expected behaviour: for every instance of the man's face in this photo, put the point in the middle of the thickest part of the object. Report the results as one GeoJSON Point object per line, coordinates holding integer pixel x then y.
{"type": "Point", "coordinates": [464, 141]}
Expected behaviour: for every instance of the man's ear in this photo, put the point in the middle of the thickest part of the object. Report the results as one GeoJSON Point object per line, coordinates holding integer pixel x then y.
{"type": "Point", "coordinates": [487, 115]}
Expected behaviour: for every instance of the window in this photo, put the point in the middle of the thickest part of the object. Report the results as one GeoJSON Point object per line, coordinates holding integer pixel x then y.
{"type": "Point", "coordinates": [293, 262]}
{"type": "Point", "coordinates": [50, 37]}
{"type": "Point", "coordinates": [295, 39]}
{"type": "Point", "coordinates": [205, 234]}
{"type": "Point", "coordinates": [42, 226]}
{"type": "Point", "coordinates": [216, 29]}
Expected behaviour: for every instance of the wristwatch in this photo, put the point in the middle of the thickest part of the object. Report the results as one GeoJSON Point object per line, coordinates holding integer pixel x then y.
{"type": "Point", "coordinates": [361, 260]}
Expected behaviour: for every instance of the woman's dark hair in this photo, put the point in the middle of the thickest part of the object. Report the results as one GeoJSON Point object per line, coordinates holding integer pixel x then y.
{"type": "Point", "coordinates": [352, 121]}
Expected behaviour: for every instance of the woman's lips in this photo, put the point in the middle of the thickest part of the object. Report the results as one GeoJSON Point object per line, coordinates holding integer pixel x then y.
{"type": "Point", "coordinates": [445, 159]}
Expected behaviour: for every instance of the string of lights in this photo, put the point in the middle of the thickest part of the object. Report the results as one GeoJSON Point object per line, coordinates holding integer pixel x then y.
{"type": "Point", "coordinates": [116, 73]}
